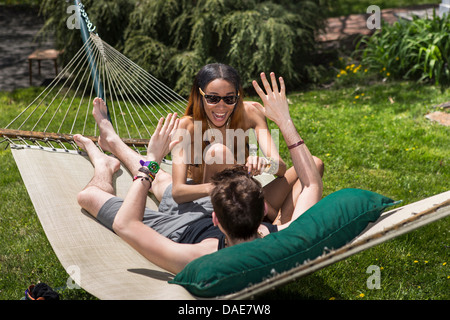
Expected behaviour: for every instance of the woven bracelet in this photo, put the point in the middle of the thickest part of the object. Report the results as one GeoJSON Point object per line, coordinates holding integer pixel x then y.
{"type": "Point", "coordinates": [296, 144]}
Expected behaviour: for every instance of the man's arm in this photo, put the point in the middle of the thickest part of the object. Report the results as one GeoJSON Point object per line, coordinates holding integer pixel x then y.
{"type": "Point", "coordinates": [158, 249]}
{"type": "Point", "coordinates": [128, 224]}
{"type": "Point", "coordinates": [276, 108]}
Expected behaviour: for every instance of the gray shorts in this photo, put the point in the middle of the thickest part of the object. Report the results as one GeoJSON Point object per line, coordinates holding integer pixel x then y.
{"type": "Point", "coordinates": [170, 220]}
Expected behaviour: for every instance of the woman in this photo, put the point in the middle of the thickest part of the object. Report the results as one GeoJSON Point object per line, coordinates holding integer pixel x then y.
{"type": "Point", "coordinates": [215, 108]}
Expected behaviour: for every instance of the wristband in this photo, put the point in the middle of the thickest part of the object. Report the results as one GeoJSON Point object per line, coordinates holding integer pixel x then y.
{"type": "Point", "coordinates": [142, 179]}
{"type": "Point", "coordinates": [296, 144]}
{"type": "Point", "coordinates": [147, 171]}
{"type": "Point", "coordinates": [153, 166]}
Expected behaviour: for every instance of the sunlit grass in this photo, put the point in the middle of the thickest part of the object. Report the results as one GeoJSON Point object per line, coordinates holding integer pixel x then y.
{"type": "Point", "coordinates": [379, 142]}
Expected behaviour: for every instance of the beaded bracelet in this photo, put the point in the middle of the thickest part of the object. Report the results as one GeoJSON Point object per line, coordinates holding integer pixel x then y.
{"type": "Point", "coordinates": [142, 179]}
{"type": "Point", "coordinates": [147, 172]}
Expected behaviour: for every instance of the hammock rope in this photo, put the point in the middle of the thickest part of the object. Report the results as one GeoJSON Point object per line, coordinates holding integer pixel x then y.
{"type": "Point", "coordinates": [135, 100]}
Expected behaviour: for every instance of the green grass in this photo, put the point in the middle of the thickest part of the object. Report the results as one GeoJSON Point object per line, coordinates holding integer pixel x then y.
{"type": "Point", "coordinates": [390, 148]}
{"type": "Point", "coordinates": [379, 141]}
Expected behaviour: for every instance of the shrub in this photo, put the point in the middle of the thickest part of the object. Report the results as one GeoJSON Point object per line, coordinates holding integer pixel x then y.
{"type": "Point", "coordinates": [414, 50]}
{"type": "Point", "coordinates": [173, 39]}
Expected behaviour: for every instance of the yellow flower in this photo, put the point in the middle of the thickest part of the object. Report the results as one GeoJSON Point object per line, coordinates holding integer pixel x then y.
{"type": "Point", "coordinates": [388, 74]}
{"type": "Point", "coordinates": [397, 58]}
{"type": "Point", "coordinates": [365, 70]}
{"type": "Point", "coordinates": [384, 69]}
{"type": "Point", "coordinates": [332, 298]}
{"type": "Point", "coordinates": [356, 97]}
{"type": "Point", "coordinates": [415, 261]}
{"type": "Point", "coordinates": [361, 295]}
{"type": "Point", "coordinates": [338, 76]}
{"type": "Point", "coordinates": [445, 263]}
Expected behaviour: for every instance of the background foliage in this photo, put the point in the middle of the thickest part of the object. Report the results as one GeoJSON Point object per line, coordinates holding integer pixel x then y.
{"type": "Point", "coordinates": [173, 39]}
{"type": "Point", "coordinates": [417, 50]}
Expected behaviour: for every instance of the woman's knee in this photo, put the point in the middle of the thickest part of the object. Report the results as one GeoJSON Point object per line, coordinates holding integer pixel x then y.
{"type": "Point", "coordinates": [218, 153]}
{"type": "Point", "coordinates": [319, 165]}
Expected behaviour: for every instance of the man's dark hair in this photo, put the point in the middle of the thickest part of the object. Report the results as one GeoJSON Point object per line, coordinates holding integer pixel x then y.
{"type": "Point", "coordinates": [238, 202]}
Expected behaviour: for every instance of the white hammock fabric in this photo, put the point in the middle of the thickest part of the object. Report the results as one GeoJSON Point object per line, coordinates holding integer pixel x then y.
{"type": "Point", "coordinates": [110, 269]}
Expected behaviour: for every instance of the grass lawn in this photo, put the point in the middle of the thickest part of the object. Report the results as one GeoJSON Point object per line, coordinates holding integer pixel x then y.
{"type": "Point", "coordinates": [373, 137]}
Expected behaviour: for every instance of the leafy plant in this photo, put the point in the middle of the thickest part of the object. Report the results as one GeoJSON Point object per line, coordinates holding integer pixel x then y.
{"type": "Point", "coordinates": [416, 50]}
{"type": "Point", "coordinates": [173, 39]}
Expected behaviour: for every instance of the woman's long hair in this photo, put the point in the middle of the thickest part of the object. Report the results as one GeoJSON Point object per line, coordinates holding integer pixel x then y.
{"type": "Point", "coordinates": [208, 73]}
{"type": "Point", "coordinates": [195, 107]}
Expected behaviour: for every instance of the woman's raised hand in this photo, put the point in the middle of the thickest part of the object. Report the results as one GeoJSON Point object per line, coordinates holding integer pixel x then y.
{"type": "Point", "coordinates": [276, 107]}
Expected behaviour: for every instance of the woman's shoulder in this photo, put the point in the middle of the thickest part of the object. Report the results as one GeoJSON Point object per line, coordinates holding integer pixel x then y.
{"type": "Point", "coordinates": [186, 122]}
{"type": "Point", "coordinates": [252, 114]}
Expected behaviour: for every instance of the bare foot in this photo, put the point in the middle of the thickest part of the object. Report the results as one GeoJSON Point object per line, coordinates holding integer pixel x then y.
{"type": "Point", "coordinates": [108, 135]}
{"type": "Point", "coordinates": [98, 158]}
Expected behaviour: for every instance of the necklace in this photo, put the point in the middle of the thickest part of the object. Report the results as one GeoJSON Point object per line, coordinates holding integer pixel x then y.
{"type": "Point", "coordinates": [227, 125]}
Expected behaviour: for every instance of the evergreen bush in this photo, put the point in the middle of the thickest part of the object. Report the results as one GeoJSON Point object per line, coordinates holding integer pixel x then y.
{"type": "Point", "coordinates": [173, 39]}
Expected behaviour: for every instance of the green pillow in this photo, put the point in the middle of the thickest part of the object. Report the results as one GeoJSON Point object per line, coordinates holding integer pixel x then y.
{"type": "Point", "coordinates": [329, 224]}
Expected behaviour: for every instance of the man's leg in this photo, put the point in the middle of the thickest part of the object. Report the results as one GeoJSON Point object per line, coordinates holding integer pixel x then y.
{"type": "Point", "coordinates": [100, 188]}
{"type": "Point", "coordinates": [110, 141]}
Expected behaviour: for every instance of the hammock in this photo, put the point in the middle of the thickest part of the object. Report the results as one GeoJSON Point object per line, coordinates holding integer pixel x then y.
{"type": "Point", "coordinates": [104, 265]}
{"type": "Point", "coordinates": [110, 269]}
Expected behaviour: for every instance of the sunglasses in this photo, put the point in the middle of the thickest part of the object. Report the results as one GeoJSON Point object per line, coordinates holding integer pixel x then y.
{"type": "Point", "coordinates": [213, 99]}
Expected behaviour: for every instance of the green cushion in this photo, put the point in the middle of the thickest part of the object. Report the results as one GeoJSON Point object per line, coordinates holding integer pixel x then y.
{"type": "Point", "coordinates": [329, 224]}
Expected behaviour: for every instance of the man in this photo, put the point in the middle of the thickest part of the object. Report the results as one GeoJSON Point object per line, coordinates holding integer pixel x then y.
{"type": "Point", "coordinates": [168, 249]}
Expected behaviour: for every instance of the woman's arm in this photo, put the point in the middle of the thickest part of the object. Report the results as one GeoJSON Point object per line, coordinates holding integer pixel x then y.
{"type": "Point", "coordinates": [257, 120]}
{"type": "Point", "coordinates": [182, 157]}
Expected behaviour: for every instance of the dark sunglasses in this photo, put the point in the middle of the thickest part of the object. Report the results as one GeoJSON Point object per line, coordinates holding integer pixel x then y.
{"type": "Point", "coordinates": [213, 99]}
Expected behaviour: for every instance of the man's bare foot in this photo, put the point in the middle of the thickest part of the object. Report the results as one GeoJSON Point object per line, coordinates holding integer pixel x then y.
{"type": "Point", "coordinates": [108, 135]}
{"type": "Point", "coordinates": [98, 158]}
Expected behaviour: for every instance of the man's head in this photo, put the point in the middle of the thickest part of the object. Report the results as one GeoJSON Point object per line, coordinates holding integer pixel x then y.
{"type": "Point", "coordinates": [238, 202]}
